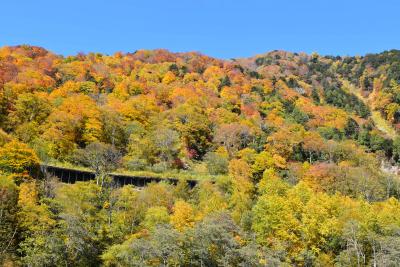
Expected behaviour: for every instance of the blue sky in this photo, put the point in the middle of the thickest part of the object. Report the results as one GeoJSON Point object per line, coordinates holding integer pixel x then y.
{"type": "Point", "coordinates": [219, 28]}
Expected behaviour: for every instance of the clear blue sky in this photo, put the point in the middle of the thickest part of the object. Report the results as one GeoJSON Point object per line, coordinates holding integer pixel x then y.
{"type": "Point", "coordinates": [219, 28]}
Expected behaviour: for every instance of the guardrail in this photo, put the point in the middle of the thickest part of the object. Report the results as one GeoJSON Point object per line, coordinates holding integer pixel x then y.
{"type": "Point", "coordinates": [71, 176]}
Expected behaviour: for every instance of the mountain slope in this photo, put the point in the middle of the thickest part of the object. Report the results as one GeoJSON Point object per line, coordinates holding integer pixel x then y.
{"type": "Point", "coordinates": [287, 149]}
{"type": "Point", "coordinates": [185, 113]}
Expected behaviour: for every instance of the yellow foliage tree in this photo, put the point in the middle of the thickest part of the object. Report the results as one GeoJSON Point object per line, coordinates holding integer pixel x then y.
{"type": "Point", "coordinates": [242, 188]}
{"type": "Point", "coordinates": [16, 157]}
{"type": "Point", "coordinates": [183, 215]}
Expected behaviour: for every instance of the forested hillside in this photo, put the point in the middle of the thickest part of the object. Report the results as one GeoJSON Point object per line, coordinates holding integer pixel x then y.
{"type": "Point", "coordinates": [288, 150]}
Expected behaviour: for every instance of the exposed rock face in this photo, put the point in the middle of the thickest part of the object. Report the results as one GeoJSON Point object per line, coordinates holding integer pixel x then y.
{"type": "Point", "coordinates": [387, 167]}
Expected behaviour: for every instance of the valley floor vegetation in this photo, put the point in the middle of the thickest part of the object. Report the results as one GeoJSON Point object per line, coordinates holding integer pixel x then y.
{"type": "Point", "coordinates": [288, 150]}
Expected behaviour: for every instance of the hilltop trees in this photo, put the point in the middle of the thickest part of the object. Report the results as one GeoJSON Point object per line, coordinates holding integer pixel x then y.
{"type": "Point", "coordinates": [166, 111]}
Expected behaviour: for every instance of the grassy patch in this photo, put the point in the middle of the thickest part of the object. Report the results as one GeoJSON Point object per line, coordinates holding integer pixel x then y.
{"type": "Point", "coordinates": [380, 123]}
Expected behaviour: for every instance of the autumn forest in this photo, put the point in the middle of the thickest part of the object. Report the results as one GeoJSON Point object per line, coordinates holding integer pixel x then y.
{"type": "Point", "coordinates": [296, 159]}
